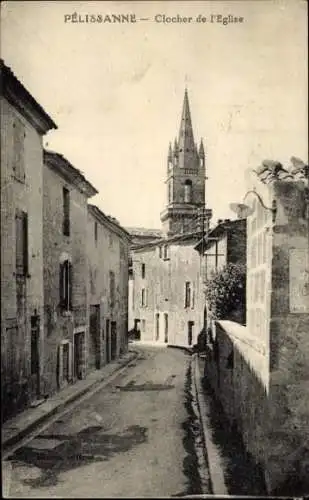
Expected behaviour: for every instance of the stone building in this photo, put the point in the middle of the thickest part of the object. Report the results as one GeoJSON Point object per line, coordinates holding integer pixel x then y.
{"type": "Point", "coordinates": [164, 278]}
{"type": "Point", "coordinates": [23, 125]}
{"type": "Point", "coordinates": [66, 290]}
{"type": "Point", "coordinates": [260, 372]}
{"type": "Point", "coordinates": [166, 290]}
{"type": "Point", "coordinates": [108, 264]}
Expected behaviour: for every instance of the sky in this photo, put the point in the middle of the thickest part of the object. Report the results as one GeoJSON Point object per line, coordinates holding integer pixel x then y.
{"type": "Point", "coordinates": [116, 91]}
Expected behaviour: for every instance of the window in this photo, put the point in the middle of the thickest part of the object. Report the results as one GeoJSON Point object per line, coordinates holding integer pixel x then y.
{"type": "Point", "coordinates": [143, 270]}
{"type": "Point", "coordinates": [169, 192]}
{"type": "Point", "coordinates": [188, 191]}
{"type": "Point", "coordinates": [165, 252]}
{"type": "Point", "coordinates": [160, 252]}
{"type": "Point", "coordinates": [144, 297]}
{"type": "Point", "coordinates": [21, 243]}
{"type": "Point", "coordinates": [66, 211]}
{"type": "Point", "coordinates": [66, 286]}
{"type": "Point", "coordinates": [112, 288]}
{"type": "Point", "coordinates": [96, 232]}
{"type": "Point", "coordinates": [192, 297]}
{"type": "Point", "coordinates": [18, 150]}
{"type": "Point", "coordinates": [187, 294]}
{"type": "Point", "coordinates": [143, 325]}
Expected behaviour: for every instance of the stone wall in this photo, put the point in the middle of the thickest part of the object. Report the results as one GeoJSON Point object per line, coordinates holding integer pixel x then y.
{"type": "Point", "coordinates": [60, 325]}
{"type": "Point", "coordinates": [20, 195]}
{"type": "Point", "coordinates": [108, 254]}
{"type": "Point", "coordinates": [260, 372]}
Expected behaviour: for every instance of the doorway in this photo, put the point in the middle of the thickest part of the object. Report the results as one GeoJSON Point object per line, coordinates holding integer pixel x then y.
{"type": "Point", "coordinates": [190, 332]}
{"type": "Point", "coordinates": [113, 340]}
{"type": "Point", "coordinates": [165, 328]}
{"type": "Point", "coordinates": [35, 355]}
{"type": "Point", "coordinates": [137, 329]}
{"type": "Point", "coordinates": [157, 326]}
{"type": "Point", "coordinates": [108, 343]}
{"type": "Point", "coordinates": [94, 337]}
{"type": "Point", "coordinates": [79, 339]}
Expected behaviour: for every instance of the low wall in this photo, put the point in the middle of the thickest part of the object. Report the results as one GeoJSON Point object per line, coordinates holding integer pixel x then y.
{"type": "Point", "coordinates": [237, 369]}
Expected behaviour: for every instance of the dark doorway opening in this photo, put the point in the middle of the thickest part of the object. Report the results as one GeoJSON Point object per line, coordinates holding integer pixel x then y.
{"type": "Point", "coordinates": [157, 326]}
{"type": "Point", "coordinates": [108, 342]}
{"type": "Point", "coordinates": [35, 355]}
{"type": "Point", "coordinates": [137, 329]}
{"type": "Point", "coordinates": [190, 332]}
{"type": "Point", "coordinates": [95, 337]}
{"type": "Point", "coordinates": [113, 340]}
{"type": "Point", "coordinates": [165, 328]}
{"type": "Point", "coordinates": [79, 339]}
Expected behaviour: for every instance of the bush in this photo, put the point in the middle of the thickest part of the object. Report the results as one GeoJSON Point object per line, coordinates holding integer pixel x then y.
{"type": "Point", "coordinates": [226, 292]}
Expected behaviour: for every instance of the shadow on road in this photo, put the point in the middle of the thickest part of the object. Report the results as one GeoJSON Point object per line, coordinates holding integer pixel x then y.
{"type": "Point", "coordinates": [89, 445]}
{"type": "Point", "coordinates": [148, 386]}
{"type": "Point", "coordinates": [191, 428]}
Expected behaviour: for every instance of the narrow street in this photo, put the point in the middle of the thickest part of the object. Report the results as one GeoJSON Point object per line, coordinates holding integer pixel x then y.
{"type": "Point", "coordinates": [135, 437]}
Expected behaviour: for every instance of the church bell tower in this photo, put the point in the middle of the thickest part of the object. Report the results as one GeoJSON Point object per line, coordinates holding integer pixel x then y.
{"type": "Point", "coordinates": [185, 180]}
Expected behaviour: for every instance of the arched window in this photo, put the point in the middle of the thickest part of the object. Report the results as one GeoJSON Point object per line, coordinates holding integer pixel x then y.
{"type": "Point", "coordinates": [188, 191]}
{"type": "Point", "coordinates": [65, 285]}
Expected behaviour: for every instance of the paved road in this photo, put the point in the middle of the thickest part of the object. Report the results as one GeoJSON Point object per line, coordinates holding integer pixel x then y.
{"type": "Point", "coordinates": [133, 438]}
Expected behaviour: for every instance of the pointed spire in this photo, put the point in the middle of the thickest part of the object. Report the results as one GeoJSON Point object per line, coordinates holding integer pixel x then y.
{"type": "Point", "coordinates": [170, 152]}
{"type": "Point", "coordinates": [201, 151]}
{"type": "Point", "coordinates": [175, 151]}
{"type": "Point", "coordinates": [186, 143]}
{"type": "Point", "coordinates": [186, 139]}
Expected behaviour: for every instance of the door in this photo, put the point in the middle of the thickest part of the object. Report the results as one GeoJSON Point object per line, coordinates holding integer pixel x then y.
{"type": "Point", "coordinates": [78, 354]}
{"type": "Point", "coordinates": [35, 356]}
{"type": "Point", "coordinates": [108, 345]}
{"type": "Point", "coordinates": [190, 332]}
{"type": "Point", "coordinates": [157, 323]}
{"type": "Point", "coordinates": [137, 329]}
{"type": "Point", "coordinates": [113, 340]}
{"type": "Point", "coordinates": [165, 327]}
{"type": "Point", "coordinates": [95, 337]}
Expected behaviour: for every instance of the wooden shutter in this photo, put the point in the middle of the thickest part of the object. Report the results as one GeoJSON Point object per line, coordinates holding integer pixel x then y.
{"type": "Point", "coordinates": [192, 296]}
{"type": "Point", "coordinates": [21, 243]}
{"type": "Point", "coordinates": [70, 361]}
{"type": "Point", "coordinates": [25, 243]}
{"type": "Point", "coordinates": [18, 149]}
{"type": "Point", "coordinates": [61, 285]}
{"type": "Point", "coordinates": [70, 286]}
{"type": "Point", "coordinates": [60, 365]}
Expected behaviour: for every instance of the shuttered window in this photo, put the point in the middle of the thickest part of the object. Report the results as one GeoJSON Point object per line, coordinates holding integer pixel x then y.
{"type": "Point", "coordinates": [187, 294]}
{"type": "Point", "coordinates": [18, 150]}
{"type": "Point", "coordinates": [21, 243]}
{"type": "Point", "coordinates": [65, 285]}
{"type": "Point", "coordinates": [66, 211]}
{"type": "Point", "coordinates": [112, 288]}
